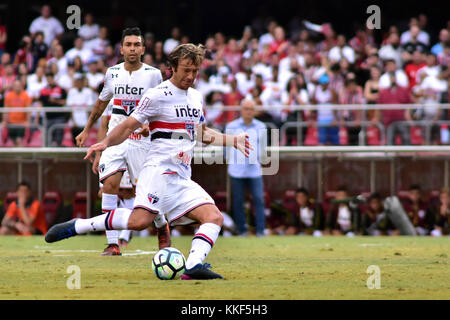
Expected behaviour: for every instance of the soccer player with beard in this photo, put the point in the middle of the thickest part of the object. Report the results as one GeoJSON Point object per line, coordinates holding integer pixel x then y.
{"type": "Point", "coordinates": [125, 84]}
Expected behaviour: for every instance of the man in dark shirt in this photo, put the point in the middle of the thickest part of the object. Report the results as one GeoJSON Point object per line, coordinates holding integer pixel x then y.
{"type": "Point", "coordinates": [54, 96]}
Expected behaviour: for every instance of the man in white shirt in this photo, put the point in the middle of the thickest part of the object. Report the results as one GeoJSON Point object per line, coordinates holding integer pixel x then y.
{"type": "Point", "coordinates": [36, 82]}
{"type": "Point", "coordinates": [50, 26]}
{"type": "Point", "coordinates": [172, 42]}
{"type": "Point", "coordinates": [342, 50]}
{"type": "Point", "coordinates": [78, 97]}
{"type": "Point", "coordinates": [89, 30]}
{"type": "Point", "coordinates": [79, 50]}
{"type": "Point", "coordinates": [98, 44]}
{"type": "Point", "coordinates": [94, 77]}
{"type": "Point", "coordinates": [400, 76]}
{"type": "Point", "coordinates": [392, 50]}
{"type": "Point", "coordinates": [421, 37]}
{"type": "Point", "coordinates": [267, 38]}
{"type": "Point", "coordinates": [59, 59]}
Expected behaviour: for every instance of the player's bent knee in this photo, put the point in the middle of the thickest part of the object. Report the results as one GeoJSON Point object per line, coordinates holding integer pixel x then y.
{"type": "Point", "coordinates": [215, 217]}
{"type": "Point", "coordinates": [140, 219]}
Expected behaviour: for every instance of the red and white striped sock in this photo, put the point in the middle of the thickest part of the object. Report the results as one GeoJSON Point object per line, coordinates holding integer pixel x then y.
{"type": "Point", "coordinates": [202, 244]}
{"type": "Point", "coordinates": [114, 220]}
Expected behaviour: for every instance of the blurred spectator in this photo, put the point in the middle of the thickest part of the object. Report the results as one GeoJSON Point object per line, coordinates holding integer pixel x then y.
{"type": "Point", "coordinates": [6, 81]}
{"type": "Point", "coordinates": [94, 77]}
{"type": "Point", "coordinates": [247, 172]}
{"type": "Point", "coordinates": [417, 62]}
{"type": "Point", "coordinates": [39, 48]}
{"type": "Point", "coordinates": [391, 68]}
{"type": "Point", "coordinates": [3, 36]}
{"type": "Point", "coordinates": [414, 33]}
{"type": "Point", "coordinates": [394, 95]}
{"type": "Point", "coordinates": [98, 45]}
{"type": "Point", "coordinates": [326, 118]}
{"type": "Point", "coordinates": [149, 42]}
{"type": "Point", "coordinates": [160, 56]}
{"type": "Point", "coordinates": [173, 41]}
{"type": "Point", "coordinates": [54, 96]}
{"type": "Point", "coordinates": [60, 59]}
{"type": "Point", "coordinates": [374, 221]}
{"type": "Point", "coordinates": [417, 210]}
{"type": "Point", "coordinates": [79, 50]}
{"type": "Point", "coordinates": [371, 87]}
{"type": "Point", "coordinates": [232, 55]}
{"type": "Point", "coordinates": [342, 50]}
{"type": "Point", "coordinates": [341, 219]}
{"type": "Point", "coordinates": [279, 44]}
{"type": "Point", "coordinates": [17, 98]}
{"type": "Point", "coordinates": [391, 50]}
{"type": "Point", "coordinates": [35, 83]}
{"type": "Point", "coordinates": [4, 60]}
{"type": "Point", "coordinates": [80, 97]}
{"type": "Point", "coordinates": [50, 26]}
{"type": "Point", "coordinates": [268, 37]}
{"type": "Point", "coordinates": [245, 42]}
{"type": "Point", "coordinates": [359, 42]}
{"type": "Point", "coordinates": [351, 93]}
{"type": "Point", "coordinates": [440, 212]}
{"type": "Point", "coordinates": [444, 57]}
{"type": "Point", "coordinates": [443, 38]}
{"type": "Point", "coordinates": [110, 58]}
{"type": "Point", "coordinates": [308, 217]}
{"type": "Point", "coordinates": [431, 68]}
{"type": "Point", "coordinates": [25, 216]}
{"type": "Point", "coordinates": [24, 55]}
{"type": "Point", "coordinates": [412, 46]}
{"type": "Point", "coordinates": [89, 30]}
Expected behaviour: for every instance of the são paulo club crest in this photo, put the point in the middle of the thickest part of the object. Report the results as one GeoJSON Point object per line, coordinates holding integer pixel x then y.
{"type": "Point", "coordinates": [101, 168]}
{"type": "Point", "coordinates": [152, 198]}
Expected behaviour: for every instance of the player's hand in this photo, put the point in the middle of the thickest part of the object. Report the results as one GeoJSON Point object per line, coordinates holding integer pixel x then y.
{"type": "Point", "coordinates": [81, 138]}
{"type": "Point", "coordinates": [94, 148]}
{"type": "Point", "coordinates": [242, 143]}
{"type": "Point", "coordinates": [96, 163]}
{"type": "Point", "coordinates": [145, 130]}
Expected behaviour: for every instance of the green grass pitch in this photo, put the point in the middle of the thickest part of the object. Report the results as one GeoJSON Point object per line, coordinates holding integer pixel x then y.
{"type": "Point", "coordinates": [270, 268]}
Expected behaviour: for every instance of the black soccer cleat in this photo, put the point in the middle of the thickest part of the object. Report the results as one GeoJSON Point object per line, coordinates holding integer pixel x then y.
{"type": "Point", "coordinates": [61, 231]}
{"type": "Point", "coordinates": [200, 272]}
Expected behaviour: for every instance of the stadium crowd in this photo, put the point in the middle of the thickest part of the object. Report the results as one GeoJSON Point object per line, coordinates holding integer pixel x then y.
{"type": "Point", "coordinates": [310, 65]}
{"type": "Point", "coordinates": [307, 65]}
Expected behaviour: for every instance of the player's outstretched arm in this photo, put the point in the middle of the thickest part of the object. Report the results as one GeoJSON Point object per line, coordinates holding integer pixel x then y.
{"type": "Point", "coordinates": [96, 113]}
{"type": "Point", "coordinates": [117, 136]}
{"type": "Point", "coordinates": [216, 138]}
{"type": "Point", "coordinates": [102, 130]}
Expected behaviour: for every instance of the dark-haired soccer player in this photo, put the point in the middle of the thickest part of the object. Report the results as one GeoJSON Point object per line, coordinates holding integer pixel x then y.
{"type": "Point", "coordinates": [125, 83]}
{"type": "Point", "coordinates": [175, 114]}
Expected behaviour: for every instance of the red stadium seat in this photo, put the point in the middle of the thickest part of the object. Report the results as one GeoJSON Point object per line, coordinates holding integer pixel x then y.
{"type": "Point", "coordinates": [10, 197]}
{"type": "Point", "coordinates": [343, 136]}
{"type": "Point", "coordinates": [312, 136]}
{"type": "Point", "coordinates": [79, 205]}
{"type": "Point", "coordinates": [373, 136]}
{"type": "Point", "coordinates": [92, 137]}
{"type": "Point", "coordinates": [5, 140]}
{"type": "Point", "coordinates": [67, 138]}
{"type": "Point", "coordinates": [52, 204]}
{"type": "Point", "coordinates": [35, 139]}
{"type": "Point", "coordinates": [220, 198]}
{"type": "Point", "coordinates": [416, 136]}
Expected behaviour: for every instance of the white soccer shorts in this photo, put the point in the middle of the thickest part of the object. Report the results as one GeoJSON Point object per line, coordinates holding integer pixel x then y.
{"type": "Point", "coordinates": [120, 158]}
{"type": "Point", "coordinates": [162, 191]}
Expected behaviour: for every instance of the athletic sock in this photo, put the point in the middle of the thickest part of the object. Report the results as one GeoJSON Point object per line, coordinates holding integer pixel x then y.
{"type": "Point", "coordinates": [125, 235]}
{"type": "Point", "coordinates": [160, 221]}
{"type": "Point", "coordinates": [115, 220]}
{"type": "Point", "coordinates": [109, 203]}
{"type": "Point", "coordinates": [202, 243]}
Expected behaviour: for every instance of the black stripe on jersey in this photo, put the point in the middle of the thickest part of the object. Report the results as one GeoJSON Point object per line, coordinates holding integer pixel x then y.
{"type": "Point", "coordinates": [169, 135]}
{"type": "Point", "coordinates": [121, 111]}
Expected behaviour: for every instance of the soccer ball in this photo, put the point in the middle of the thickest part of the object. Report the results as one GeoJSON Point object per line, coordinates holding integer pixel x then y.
{"type": "Point", "coordinates": [168, 264]}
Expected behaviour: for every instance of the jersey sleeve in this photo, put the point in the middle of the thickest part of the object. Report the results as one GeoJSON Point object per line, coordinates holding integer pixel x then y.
{"type": "Point", "coordinates": [107, 92]}
{"type": "Point", "coordinates": [147, 107]}
{"type": "Point", "coordinates": [157, 78]}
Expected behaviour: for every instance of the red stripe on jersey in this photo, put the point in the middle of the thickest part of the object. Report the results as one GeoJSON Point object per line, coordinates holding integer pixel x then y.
{"type": "Point", "coordinates": [110, 219]}
{"type": "Point", "coordinates": [166, 125]}
{"type": "Point", "coordinates": [118, 102]}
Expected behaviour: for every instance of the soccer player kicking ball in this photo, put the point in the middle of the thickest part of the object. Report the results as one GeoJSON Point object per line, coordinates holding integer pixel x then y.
{"type": "Point", "coordinates": [124, 84]}
{"type": "Point", "coordinates": [175, 114]}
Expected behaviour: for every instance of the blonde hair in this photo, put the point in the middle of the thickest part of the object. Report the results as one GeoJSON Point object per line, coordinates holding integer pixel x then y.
{"type": "Point", "coordinates": [196, 53]}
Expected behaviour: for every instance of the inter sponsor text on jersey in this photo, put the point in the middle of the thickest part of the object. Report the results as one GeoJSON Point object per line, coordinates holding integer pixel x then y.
{"type": "Point", "coordinates": [125, 90]}
{"type": "Point", "coordinates": [174, 116]}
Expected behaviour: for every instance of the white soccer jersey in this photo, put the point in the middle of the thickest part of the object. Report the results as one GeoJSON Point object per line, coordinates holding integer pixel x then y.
{"type": "Point", "coordinates": [126, 90]}
{"type": "Point", "coordinates": [174, 116]}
